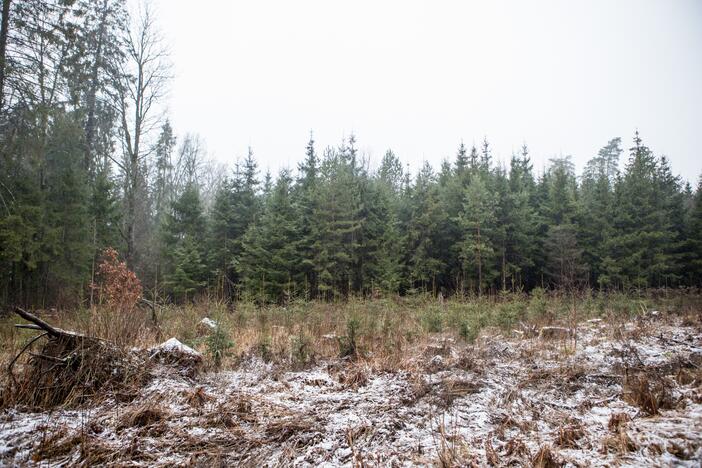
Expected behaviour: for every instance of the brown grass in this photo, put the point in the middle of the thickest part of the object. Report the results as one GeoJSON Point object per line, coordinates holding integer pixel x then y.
{"type": "Point", "coordinates": [545, 458]}
{"type": "Point", "coordinates": [650, 392]}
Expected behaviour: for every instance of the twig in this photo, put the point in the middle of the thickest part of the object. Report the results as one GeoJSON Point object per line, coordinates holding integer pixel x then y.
{"type": "Point", "coordinates": [28, 326]}
{"type": "Point", "coordinates": [49, 358]}
{"type": "Point", "coordinates": [9, 368]}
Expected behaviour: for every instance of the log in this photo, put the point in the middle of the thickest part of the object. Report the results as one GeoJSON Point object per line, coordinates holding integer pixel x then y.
{"type": "Point", "coordinates": [39, 323]}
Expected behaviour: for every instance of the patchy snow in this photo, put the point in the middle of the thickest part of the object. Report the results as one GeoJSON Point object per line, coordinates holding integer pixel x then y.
{"type": "Point", "coordinates": [209, 323]}
{"type": "Point", "coordinates": [501, 398]}
{"type": "Point", "coordinates": [173, 345]}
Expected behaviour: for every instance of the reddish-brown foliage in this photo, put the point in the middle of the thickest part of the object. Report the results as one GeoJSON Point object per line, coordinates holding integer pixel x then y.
{"type": "Point", "coordinates": [118, 286]}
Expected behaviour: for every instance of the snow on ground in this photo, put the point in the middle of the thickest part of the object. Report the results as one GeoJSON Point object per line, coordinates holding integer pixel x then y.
{"type": "Point", "coordinates": [498, 402]}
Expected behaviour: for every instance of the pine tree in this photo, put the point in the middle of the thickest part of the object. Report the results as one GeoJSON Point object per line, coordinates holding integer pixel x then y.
{"type": "Point", "coordinates": [269, 267]}
{"type": "Point", "coordinates": [694, 231]}
{"type": "Point", "coordinates": [477, 219]}
{"type": "Point", "coordinates": [183, 243]}
{"type": "Point", "coordinates": [596, 206]}
{"type": "Point", "coordinates": [425, 229]}
{"type": "Point", "coordinates": [638, 253]}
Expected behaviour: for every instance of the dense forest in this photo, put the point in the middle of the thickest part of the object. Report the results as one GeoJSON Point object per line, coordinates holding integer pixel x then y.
{"type": "Point", "coordinates": [89, 161]}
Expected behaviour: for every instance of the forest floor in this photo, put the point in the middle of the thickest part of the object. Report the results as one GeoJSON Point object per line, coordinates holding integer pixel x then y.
{"type": "Point", "coordinates": [624, 394]}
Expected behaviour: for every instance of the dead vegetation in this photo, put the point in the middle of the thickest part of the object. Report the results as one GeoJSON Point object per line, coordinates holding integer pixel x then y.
{"type": "Point", "coordinates": [71, 368]}
{"type": "Point", "coordinates": [497, 401]}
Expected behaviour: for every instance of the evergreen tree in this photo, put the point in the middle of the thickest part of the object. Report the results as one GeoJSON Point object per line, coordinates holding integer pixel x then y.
{"type": "Point", "coordinates": [477, 219]}
{"type": "Point", "coordinates": [520, 222]}
{"type": "Point", "coordinates": [638, 253]}
{"type": "Point", "coordinates": [305, 200]}
{"type": "Point", "coordinates": [694, 231]}
{"type": "Point", "coordinates": [596, 206]}
{"type": "Point", "coordinates": [425, 229]}
{"type": "Point", "coordinates": [269, 267]}
{"type": "Point", "coordinates": [183, 243]}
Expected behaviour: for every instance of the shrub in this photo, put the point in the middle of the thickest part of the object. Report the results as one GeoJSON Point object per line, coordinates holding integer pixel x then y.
{"type": "Point", "coordinates": [265, 348]}
{"type": "Point", "coordinates": [538, 304]}
{"type": "Point", "coordinates": [347, 344]}
{"type": "Point", "coordinates": [218, 345]}
{"type": "Point", "coordinates": [433, 320]}
{"type": "Point", "coordinates": [301, 348]}
{"type": "Point", "coordinates": [468, 331]}
{"type": "Point", "coordinates": [118, 285]}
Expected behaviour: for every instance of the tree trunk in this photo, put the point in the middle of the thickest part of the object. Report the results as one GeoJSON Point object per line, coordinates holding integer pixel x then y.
{"type": "Point", "coordinates": [3, 48]}
{"type": "Point", "coordinates": [92, 92]}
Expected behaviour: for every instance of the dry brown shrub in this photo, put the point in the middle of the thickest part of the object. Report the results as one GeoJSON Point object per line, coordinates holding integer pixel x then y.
{"type": "Point", "coordinates": [682, 451]}
{"type": "Point", "coordinates": [618, 421]}
{"type": "Point", "coordinates": [119, 290]}
{"type": "Point", "coordinates": [145, 415]}
{"type": "Point", "coordinates": [467, 362]}
{"type": "Point", "coordinates": [355, 376]}
{"type": "Point", "coordinates": [490, 454]}
{"type": "Point", "coordinates": [118, 286]}
{"type": "Point", "coordinates": [59, 443]}
{"type": "Point", "coordinates": [72, 369]}
{"type": "Point", "coordinates": [545, 458]}
{"type": "Point", "coordinates": [567, 436]}
{"type": "Point", "coordinates": [620, 442]}
{"type": "Point", "coordinates": [197, 397]}
{"type": "Point", "coordinates": [650, 393]}
{"type": "Point", "coordinates": [517, 448]}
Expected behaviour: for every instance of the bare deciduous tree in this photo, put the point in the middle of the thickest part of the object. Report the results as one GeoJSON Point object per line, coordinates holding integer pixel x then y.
{"type": "Point", "coordinates": [143, 83]}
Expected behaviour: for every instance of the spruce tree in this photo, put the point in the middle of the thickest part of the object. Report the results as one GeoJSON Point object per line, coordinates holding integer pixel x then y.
{"type": "Point", "coordinates": [183, 242]}
{"type": "Point", "coordinates": [269, 267]}
{"type": "Point", "coordinates": [694, 231]}
{"type": "Point", "coordinates": [638, 253]}
{"type": "Point", "coordinates": [426, 228]}
{"type": "Point", "coordinates": [477, 252]}
{"type": "Point", "coordinates": [596, 206]}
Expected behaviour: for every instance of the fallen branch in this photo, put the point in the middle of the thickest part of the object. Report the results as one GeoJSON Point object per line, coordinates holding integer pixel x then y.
{"type": "Point", "coordinates": [9, 368]}
{"type": "Point", "coordinates": [28, 326]}
{"type": "Point", "coordinates": [39, 323]}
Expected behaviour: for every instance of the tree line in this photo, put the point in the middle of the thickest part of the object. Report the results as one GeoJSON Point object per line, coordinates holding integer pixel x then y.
{"type": "Point", "coordinates": [89, 162]}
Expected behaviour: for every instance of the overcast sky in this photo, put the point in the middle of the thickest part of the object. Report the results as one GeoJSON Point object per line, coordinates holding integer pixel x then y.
{"type": "Point", "coordinates": [420, 76]}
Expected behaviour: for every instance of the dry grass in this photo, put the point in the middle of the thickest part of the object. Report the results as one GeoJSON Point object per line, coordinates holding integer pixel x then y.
{"type": "Point", "coordinates": [301, 333]}
{"type": "Point", "coordinates": [71, 369]}
{"type": "Point", "coordinates": [649, 391]}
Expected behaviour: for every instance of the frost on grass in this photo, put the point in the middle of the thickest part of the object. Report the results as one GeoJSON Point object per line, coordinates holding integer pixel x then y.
{"type": "Point", "coordinates": [628, 395]}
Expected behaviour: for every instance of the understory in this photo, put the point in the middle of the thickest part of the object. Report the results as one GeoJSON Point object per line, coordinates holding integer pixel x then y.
{"type": "Point", "coordinates": [625, 392]}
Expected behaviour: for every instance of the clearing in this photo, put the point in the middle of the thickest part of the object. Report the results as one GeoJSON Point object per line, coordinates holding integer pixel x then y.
{"type": "Point", "coordinates": [628, 394]}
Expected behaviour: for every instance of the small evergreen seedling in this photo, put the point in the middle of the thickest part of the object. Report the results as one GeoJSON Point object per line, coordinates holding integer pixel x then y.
{"type": "Point", "coordinates": [218, 345]}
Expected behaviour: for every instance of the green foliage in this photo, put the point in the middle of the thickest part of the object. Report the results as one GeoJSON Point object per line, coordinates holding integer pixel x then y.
{"type": "Point", "coordinates": [301, 348]}
{"type": "Point", "coordinates": [183, 245]}
{"type": "Point", "coordinates": [468, 330]}
{"type": "Point", "coordinates": [433, 320]}
{"type": "Point", "coordinates": [219, 344]}
{"type": "Point", "coordinates": [538, 304]}
{"type": "Point", "coordinates": [348, 346]}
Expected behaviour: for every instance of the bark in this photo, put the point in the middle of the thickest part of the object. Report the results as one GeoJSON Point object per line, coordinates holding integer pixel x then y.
{"type": "Point", "coordinates": [3, 48]}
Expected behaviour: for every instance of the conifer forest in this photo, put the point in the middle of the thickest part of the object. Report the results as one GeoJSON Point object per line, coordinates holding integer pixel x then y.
{"type": "Point", "coordinates": [349, 310]}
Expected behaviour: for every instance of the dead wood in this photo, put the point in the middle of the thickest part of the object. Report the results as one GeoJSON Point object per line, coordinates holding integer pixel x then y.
{"type": "Point", "coordinates": [70, 368]}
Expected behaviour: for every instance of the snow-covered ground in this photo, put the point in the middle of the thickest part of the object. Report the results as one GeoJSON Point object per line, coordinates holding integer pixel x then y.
{"type": "Point", "coordinates": [498, 402]}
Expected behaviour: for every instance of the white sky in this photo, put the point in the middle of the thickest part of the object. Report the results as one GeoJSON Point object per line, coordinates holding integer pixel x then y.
{"type": "Point", "coordinates": [419, 76]}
